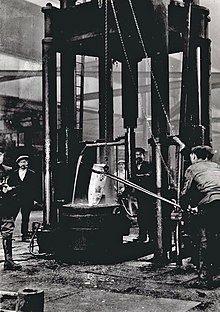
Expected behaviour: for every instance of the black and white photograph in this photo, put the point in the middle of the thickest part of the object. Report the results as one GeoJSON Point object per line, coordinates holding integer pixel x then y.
{"type": "Point", "coordinates": [109, 156]}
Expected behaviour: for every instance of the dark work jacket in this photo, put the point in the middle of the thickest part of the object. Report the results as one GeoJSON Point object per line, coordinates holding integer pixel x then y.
{"type": "Point", "coordinates": [4, 172]}
{"type": "Point", "coordinates": [144, 178]}
{"type": "Point", "coordinates": [26, 190]}
{"type": "Point", "coordinates": [9, 207]}
{"type": "Point", "coordinates": [144, 175]}
{"type": "Point", "coordinates": [202, 183]}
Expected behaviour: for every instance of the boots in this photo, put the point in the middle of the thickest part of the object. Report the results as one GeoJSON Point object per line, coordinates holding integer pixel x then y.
{"type": "Point", "coordinates": [9, 264]}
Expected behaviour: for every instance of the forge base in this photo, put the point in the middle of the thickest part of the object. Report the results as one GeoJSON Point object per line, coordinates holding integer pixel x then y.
{"type": "Point", "coordinates": [86, 233]}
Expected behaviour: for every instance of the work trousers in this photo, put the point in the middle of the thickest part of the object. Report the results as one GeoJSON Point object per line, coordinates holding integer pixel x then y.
{"type": "Point", "coordinates": [7, 226]}
{"type": "Point", "coordinates": [209, 218]}
{"type": "Point", "coordinates": [146, 217]}
{"type": "Point", "coordinates": [25, 213]}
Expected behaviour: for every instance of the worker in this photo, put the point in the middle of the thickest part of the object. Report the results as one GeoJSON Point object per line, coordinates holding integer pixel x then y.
{"type": "Point", "coordinates": [24, 179]}
{"type": "Point", "coordinates": [145, 212]}
{"type": "Point", "coordinates": [8, 212]}
{"type": "Point", "coordinates": [202, 190]}
{"type": "Point", "coordinates": [121, 173]}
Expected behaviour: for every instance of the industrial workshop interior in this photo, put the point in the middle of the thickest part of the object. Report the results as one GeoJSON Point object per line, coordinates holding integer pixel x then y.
{"type": "Point", "coordinates": [83, 84]}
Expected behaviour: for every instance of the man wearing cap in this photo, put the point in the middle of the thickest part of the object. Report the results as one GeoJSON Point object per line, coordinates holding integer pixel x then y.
{"type": "Point", "coordinates": [146, 211]}
{"type": "Point", "coordinates": [8, 212]}
{"type": "Point", "coordinates": [202, 190]}
{"type": "Point", "coordinates": [120, 187]}
{"type": "Point", "coordinates": [24, 180]}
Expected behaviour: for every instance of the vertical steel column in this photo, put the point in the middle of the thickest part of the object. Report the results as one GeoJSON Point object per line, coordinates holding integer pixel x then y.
{"type": "Point", "coordinates": [160, 114]}
{"type": "Point", "coordinates": [206, 89]}
{"type": "Point", "coordinates": [49, 113]}
{"type": "Point", "coordinates": [130, 111]}
{"type": "Point", "coordinates": [68, 63]}
{"type": "Point", "coordinates": [106, 111]}
{"type": "Point", "coordinates": [105, 100]}
{"type": "Point", "coordinates": [67, 103]}
{"type": "Point", "coordinates": [144, 115]}
{"type": "Point", "coordinates": [190, 124]}
{"type": "Point", "coordinates": [68, 138]}
{"type": "Point", "coordinates": [193, 130]}
{"type": "Point", "coordinates": [160, 117]}
{"type": "Point", "coordinates": [106, 114]}
{"type": "Point", "coordinates": [185, 72]}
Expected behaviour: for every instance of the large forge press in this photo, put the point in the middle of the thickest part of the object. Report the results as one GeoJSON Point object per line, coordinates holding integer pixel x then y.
{"type": "Point", "coordinates": [151, 29]}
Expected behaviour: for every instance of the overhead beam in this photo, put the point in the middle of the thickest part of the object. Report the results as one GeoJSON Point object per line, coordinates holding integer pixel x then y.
{"type": "Point", "coordinates": [6, 75]}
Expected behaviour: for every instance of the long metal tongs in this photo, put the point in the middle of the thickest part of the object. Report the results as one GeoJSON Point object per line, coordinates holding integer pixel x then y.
{"type": "Point", "coordinates": [136, 186]}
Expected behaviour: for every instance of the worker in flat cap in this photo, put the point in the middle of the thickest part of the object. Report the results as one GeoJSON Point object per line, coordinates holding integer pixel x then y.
{"type": "Point", "coordinates": [121, 173]}
{"type": "Point", "coordinates": [201, 193]}
{"type": "Point", "coordinates": [8, 212]}
{"type": "Point", "coordinates": [24, 179]}
{"type": "Point", "coordinates": [21, 157]}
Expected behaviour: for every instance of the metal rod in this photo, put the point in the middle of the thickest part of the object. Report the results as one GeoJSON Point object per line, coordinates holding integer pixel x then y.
{"type": "Point", "coordinates": [185, 69]}
{"type": "Point", "coordinates": [158, 200]}
{"type": "Point", "coordinates": [137, 187]}
{"type": "Point", "coordinates": [130, 152]}
{"type": "Point", "coordinates": [100, 145]}
{"type": "Point", "coordinates": [198, 63]}
{"type": "Point", "coordinates": [103, 144]}
{"type": "Point", "coordinates": [177, 230]}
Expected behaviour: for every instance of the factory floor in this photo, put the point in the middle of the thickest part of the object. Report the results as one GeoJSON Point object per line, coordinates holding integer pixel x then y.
{"type": "Point", "coordinates": [134, 286]}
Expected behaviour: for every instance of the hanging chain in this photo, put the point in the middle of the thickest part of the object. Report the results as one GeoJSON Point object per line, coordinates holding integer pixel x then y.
{"type": "Point", "coordinates": [122, 43]}
{"type": "Point", "coordinates": [152, 74]}
{"type": "Point", "coordinates": [133, 80]}
{"type": "Point", "coordinates": [100, 2]}
{"type": "Point", "coordinates": [155, 84]}
{"type": "Point", "coordinates": [106, 61]}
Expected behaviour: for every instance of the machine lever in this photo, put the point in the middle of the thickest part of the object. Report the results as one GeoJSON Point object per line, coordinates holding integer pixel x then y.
{"type": "Point", "coordinates": [137, 187]}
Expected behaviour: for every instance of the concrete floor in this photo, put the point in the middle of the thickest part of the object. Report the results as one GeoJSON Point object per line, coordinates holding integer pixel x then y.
{"type": "Point", "coordinates": [132, 286]}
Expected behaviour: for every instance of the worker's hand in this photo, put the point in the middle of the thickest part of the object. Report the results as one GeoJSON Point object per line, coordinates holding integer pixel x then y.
{"type": "Point", "coordinates": [6, 188]}
{"type": "Point", "coordinates": [143, 174]}
{"type": "Point", "coordinates": [36, 203]}
{"type": "Point", "coordinates": [178, 141]}
{"type": "Point", "coordinates": [193, 210]}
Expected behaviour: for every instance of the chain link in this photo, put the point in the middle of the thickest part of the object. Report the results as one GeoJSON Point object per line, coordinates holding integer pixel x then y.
{"type": "Point", "coordinates": [106, 61]}
{"type": "Point", "coordinates": [149, 64]}
{"type": "Point", "coordinates": [133, 80]}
